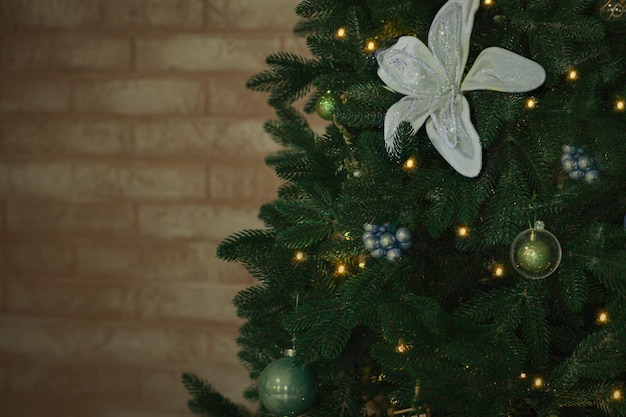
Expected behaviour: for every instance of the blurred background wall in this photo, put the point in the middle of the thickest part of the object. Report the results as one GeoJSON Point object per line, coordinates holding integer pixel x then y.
{"type": "Point", "coordinates": [129, 148]}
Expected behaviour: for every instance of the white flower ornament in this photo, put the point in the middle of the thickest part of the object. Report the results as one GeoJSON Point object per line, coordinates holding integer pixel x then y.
{"type": "Point", "coordinates": [430, 78]}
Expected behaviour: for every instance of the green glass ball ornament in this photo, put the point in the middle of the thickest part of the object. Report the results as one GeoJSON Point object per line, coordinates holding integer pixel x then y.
{"type": "Point", "coordinates": [326, 105]}
{"type": "Point", "coordinates": [613, 14]}
{"type": "Point", "coordinates": [535, 252]}
{"type": "Point", "coordinates": [286, 389]}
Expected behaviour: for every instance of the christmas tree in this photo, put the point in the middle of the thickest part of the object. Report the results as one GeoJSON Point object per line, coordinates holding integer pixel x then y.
{"type": "Point", "coordinates": [453, 243]}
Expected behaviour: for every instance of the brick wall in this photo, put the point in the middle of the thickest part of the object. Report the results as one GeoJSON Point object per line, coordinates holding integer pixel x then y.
{"type": "Point", "coordinates": [129, 148]}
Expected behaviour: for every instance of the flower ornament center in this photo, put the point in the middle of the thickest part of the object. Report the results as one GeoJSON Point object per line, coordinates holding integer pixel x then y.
{"type": "Point", "coordinates": [430, 78]}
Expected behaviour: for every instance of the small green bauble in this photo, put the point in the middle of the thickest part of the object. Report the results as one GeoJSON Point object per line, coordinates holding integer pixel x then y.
{"type": "Point", "coordinates": [326, 105]}
{"type": "Point", "coordinates": [285, 389]}
{"type": "Point", "coordinates": [536, 253]}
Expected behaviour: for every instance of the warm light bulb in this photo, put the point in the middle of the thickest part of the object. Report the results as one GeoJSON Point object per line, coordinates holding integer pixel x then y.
{"type": "Point", "coordinates": [341, 33]}
{"type": "Point", "coordinates": [488, 3]}
{"type": "Point", "coordinates": [371, 46]}
{"type": "Point", "coordinates": [603, 317]}
{"type": "Point", "coordinates": [462, 231]}
{"type": "Point", "coordinates": [498, 271]}
{"type": "Point", "coordinates": [401, 347]}
{"type": "Point", "coordinates": [523, 375]}
{"type": "Point", "coordinates": [531, 103]}
{"type": "Point", "coordinates": [538, 382]}
{"type": "Point", "coordinates": [299, 256]}
{"type": "Point", "coordinates": [616, 395]}
{"type": "Point", "coordinates": [341, 269]}
{"type": "Point", "coordinates": [572, 75]}
{"type": "Point", "coordinates": [362, 264]}
{"type": "Point", "coordinates": [410, 163]}
{"type": "Point", "coordinates": [347, 236]}
{"type": "Point", "coordinates": [620, 105]}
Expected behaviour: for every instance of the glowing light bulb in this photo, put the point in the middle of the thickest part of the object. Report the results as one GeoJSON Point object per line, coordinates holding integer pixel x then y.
{"type": "Point", "coordinates": [488, 3]}
{"type": "Point", "coordinates": [362, 264]}
{"type": "Point", "coordinates": [572, 75]}
{"type": "Point", "coordinates": [341, 33]}
{"type": "Point", "coordinates": [531, 103]}
{"type": "Point", "coordinates": [341, 269]}
{"type": "Point", "coordinates": [371, 46]}
{"type": "Point", "coordinates": [523, 375]}
{"type": "Point", "coordinates": [498, 271]}
{"type": "Point", "coordinates": [616, 395]}
{"type": "Point", "coordinates": [620, 105]}
{"type": "Point", "coordinates": [462, 231]}
{"type": "Point", "coordinates": [401, 347]}
{"type": "Point", "coordinates": [538, 382]}
{"type": "Point", "coordinates": [603, 317]}
{"type": "Point", "coordinates": [347, 236]}
{"type": "Point", "coordinates": [299, 256]}
{"type": "Point", "coordinates": [410, 164]}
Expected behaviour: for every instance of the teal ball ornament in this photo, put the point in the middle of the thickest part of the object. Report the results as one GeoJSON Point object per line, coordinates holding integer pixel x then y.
{"type": "Point", "coordinates": [286, 389]}
{"type": "Point", "coordinates": [326, 105]}
{"type": "Point", "coordinates": [535, 253]}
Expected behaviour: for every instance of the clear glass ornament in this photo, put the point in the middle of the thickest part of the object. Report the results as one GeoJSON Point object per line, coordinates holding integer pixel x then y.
{"type": "Point", "coordinates": [535, 253]}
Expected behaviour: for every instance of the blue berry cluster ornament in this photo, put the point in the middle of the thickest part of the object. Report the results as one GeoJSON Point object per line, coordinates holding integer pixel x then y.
{"type": "Point", "coordinates": [382, 242]}
{"type": "Point", "coordinates": [579, 164]}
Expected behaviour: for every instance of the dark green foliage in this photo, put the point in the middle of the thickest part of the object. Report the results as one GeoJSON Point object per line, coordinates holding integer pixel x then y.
{"type": "Point", "coordinates": [437, 330]}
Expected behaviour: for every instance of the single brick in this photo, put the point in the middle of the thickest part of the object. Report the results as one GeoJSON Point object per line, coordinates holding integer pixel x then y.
{"type": "Point", "coordinates": [72, 381]}
{"type": "Point", "coordinates": [251, 14]}
{"type": "Point", "coordinates": [38, 178]}
{"type": "Point", "coordinates": [66, 136]}
{"type": "Point", "coordinates": [149, 263]}
{"type": "Point", "coordinates": [205, 138]}
{"type": "Point", "coordinates": [229, 98]}
{"type": "Point", "coordinates": [36, 258]}
{"type": "Point", "coordinates": [109, 342]}
{"type": "Point", "coordinates": [140, 96]}
{"type": "Point", "coordinates": [75, 218]}
{"type": "Point", "coordinates": [140, 180]}
{"type": "Point", "coordinates": [65, 299]}
{"type": "Point", "coordinates": [239, 181]}
{"type": "Point", "coordinates": [36, 95]}
{"type": "Point", "coordinates": [207, 52]}
{"type": "Point", "coordinates": [65, 52]}
{"type": "Point", "coordinates": [201, 302]}
{"type": "Point", "coordinates": [108, 14]}
{"type": "Point", "coordinates": [195, 221]}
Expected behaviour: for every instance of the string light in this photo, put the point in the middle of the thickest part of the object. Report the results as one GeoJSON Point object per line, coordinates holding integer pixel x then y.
{"type": "Point", "coordinates": [402, 347]}
{"type": "Point", "coordinates": [531, 103]}
{"type": "Point", "coordinates": [616, 395]}
{"type": "Point", "coordinates": [603, 317]}
{"type": "Point", "coordinates": [538, 382]}
{"type": "Point", "coordinates": [488, 3]}
{"type": "Point", "coordinates": [341, 33]}
{"type": "Point", "coordinates": [362, 264]}
{"type": "Point", "coordinates": [410, 164]}
{"type": "Point", "coordinates": [572, 75]}
{"type": "Point", "coordinates": [498, 270]}
{"type": "Point", "coordinates": [341, 269]}
{"type": "Point", "coordinates": [620, 105]}
{"type": "Point", "coordinates": [523, 375]}
{"type": "Point", "coordinates": [462, 231]}
{"type": "Point", "coordinates": [371, 46]}
{"type": "Point", "coordinates": [347, 236]}
{"type": "Point", "coordinates": [299, 256]}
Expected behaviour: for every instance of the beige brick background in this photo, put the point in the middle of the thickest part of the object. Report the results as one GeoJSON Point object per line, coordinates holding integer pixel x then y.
{"type": "Point", "coordinates": [129, 148]}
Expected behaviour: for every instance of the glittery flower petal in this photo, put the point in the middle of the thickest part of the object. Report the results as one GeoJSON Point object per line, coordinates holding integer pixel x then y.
{"type": "Point", "coordinates": [466, 154]}
{"type": "Point", "coordinates": [408, 109]}
{"type": "Point", "coordinates": [502, 70]}
{"type": "Point", "coordinates": [449, 36]}
{"type": "Point", "coordinates": [409, 68]}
